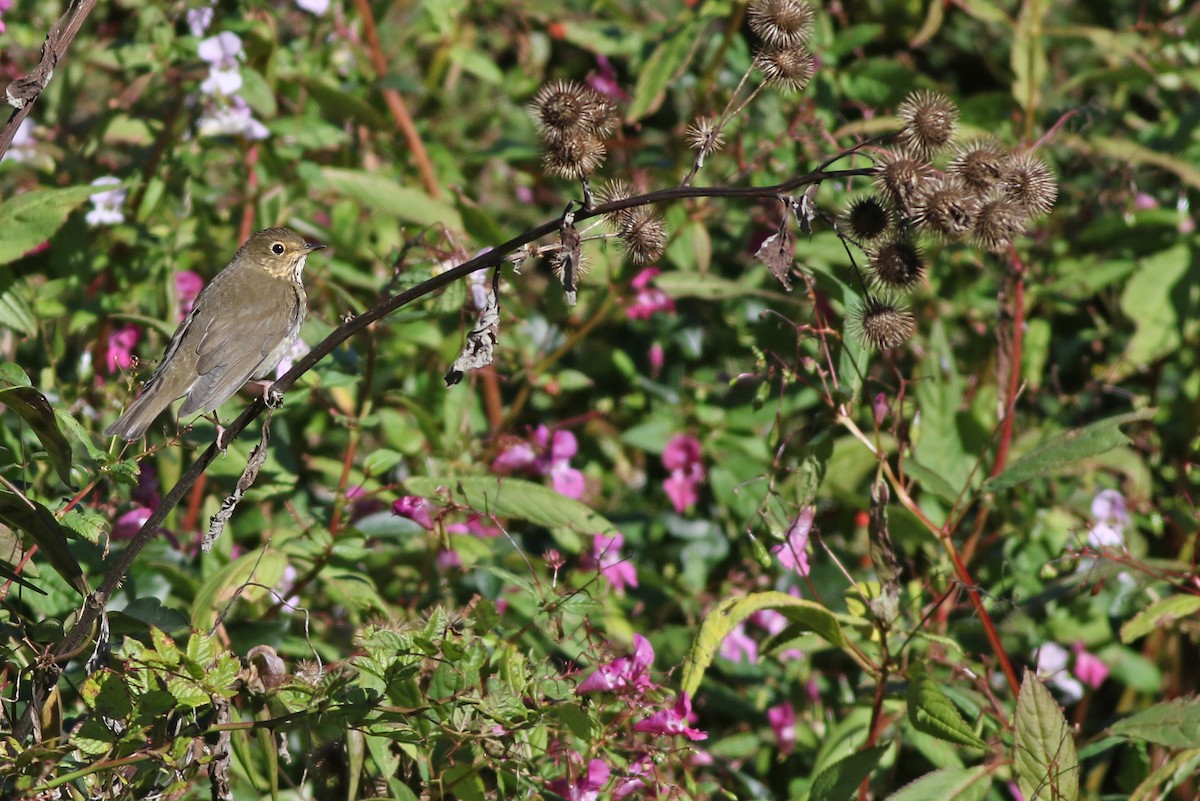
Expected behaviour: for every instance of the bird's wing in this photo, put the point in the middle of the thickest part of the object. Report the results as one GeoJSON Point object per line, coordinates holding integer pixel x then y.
{"type": "Point", "coordinates": [234, 347]}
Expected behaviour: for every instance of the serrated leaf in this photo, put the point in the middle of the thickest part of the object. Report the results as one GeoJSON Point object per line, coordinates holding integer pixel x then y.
{"type": "Point", "coordinates": [1065, 450]}
{"type": "Point", "coordinates": [30, 219]}
{"type": "Point", "coordinates": [37, 412]}
{"type": "Point", "coordinates": [385, 195]}
{"type": "Point", "coordinates": [201, 649]}
{"type": "Point", "coordinates": [1160, 614]}
{"type": "Point", "coordinates": [931, 712]}
{"type": "Point", "coordinates": [514, 497]}
{"type": "Point", "coordinates": [668, 60]}
{"type": "Point", "coordinates": [1175, 724]}
{"type": "Point", "coordinates": [89, 525]}
{"type": "Point", "coordinates": [37, 522]}
{"type": "Point", "coordinates": [1044, 750]}
{"type": "Point", "coordinates": [726, 615]}
{"type": "Point", "coordinates": [947, 784]}
{"type": "Point", "coordinates": [840, 781]}
{"type": "Point", "coordinates": [263, 568]}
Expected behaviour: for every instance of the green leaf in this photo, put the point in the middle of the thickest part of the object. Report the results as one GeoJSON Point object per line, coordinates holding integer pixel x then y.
{"type": "Point", "coordinates": [343, 106]}
{"type": "Point", "coordinates": [947, 784]}
{"type": "Point", "coordinates": [30, 517]}
{"type": "Point", "coordinates": [725, 616]}
{"type": "Point", "coordinates": [89, 525]}
{"type": "Point", "coordinates": [1044, 750]}
{"type": "Point", "coordinates": [840, 781]}
{"type": "Point", "coordinates": [1153, 298]}
{"type": "Point", "coordinates": [668, 60]}
{"type": "Point", "coordinates": [33, 407]}
{"type": "Point", "coordinates": [30, 219]}
{"type": "Point", "coordinates": [931, 481]}
{"type": "Point", "coordinates": [1175, 724]}
{"type": "Point", "coordinates": [263, 568]}
{"type": "Point", "coordinates": [1161, 614]}
{"type": "Point", "coordinates": [380, 193]}
{"type": "Point", "coordinates": [930, 711]}
{"type": "Point", "coordinates": [14, 308]}
{"type": "Point", "coordinates": [685, 284]}
{"type": "Point", "coordinates": [1065, 450]}
{"type": "Point", "coordinates": [463, 781]}
{"type": "Point", "coordinates": [1028, 57]}
{"type": "Point", "coordinates": [514, 497]}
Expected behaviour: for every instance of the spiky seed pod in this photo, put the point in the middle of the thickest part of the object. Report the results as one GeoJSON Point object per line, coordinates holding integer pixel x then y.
{"type": "Point", "coordinates": [979, 164]}
{"type": "Point", "coordinates": [898, 264]}
{"type": "Point", "coordinates": [929, 121]}
{"type": "Point", "coordinates": [881, 323]}
{"type": "Point", "coordinates": [611, 192]}
{"type": "Point", "coordinates": [900, 173]}
{"type": "Point", "coordinates": [789, 68]}
{"type": "Point", "coordinates": [704, 136]}
{"type": "Point", "coordinates": [644, 235]}
{"type": "Point", "coordinates": [1028, 181]}
{"type": "Point", "coordinates": [781, 23]}
{"type": "Point", "coordinates": [999, 222]}
{"type": "Point", "coordinates": [866, 219]}
{"type": "Point", "coordinates": [565, 108]}
{"type": "Point", "coordinates": [943, 207]}
{"type": "Point", "coordinates": [574, 156]}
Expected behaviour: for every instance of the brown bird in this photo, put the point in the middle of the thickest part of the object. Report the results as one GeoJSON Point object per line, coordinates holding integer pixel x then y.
{"type": "Point", "coordinates": [240, 327]}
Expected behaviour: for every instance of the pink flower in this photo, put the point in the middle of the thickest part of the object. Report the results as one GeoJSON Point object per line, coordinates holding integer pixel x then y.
{"type": "Point", "coordinates": [674, 720]}
{"type": "Point", "coordinates": [627, 675]}
{"type": "Point", "coordinates": [118, 354]}
{"type": "Point", "coordinates": [475, 526]}
{"type": "Point", "coordinates": [519, 456]}
{"type": "Point", "coordinates": [738, 646]}
{"type": "Point", "coordinates": [649, 300]}
{"type": "Point", "coordinates": [547, 454]}
{"type": "Point", "coordinates": [416, 509]}
{"type": "Point", "coordinates": [605, 80]}
{"type": "Point", "coordinates": [187, 286]}
{"type": "Point", "coordinates": [783, 722]}
{"type": "Point", "coordinates": [682, 457]}
{"type": "Point", "coordinates": [130, 523]}
{"type": "Point", "coordinates": [791, 552]}
{"type": "Point", "coordinates": [1089, 668]}
{"type": "Point", "coordinates": [614, 568]}
{"type": "Point", "coordinates": [657, 359]}
{"type": "Point", "coordinates": [447, 559]}
{"type": "Point", "coordinates": [586, 787]}
{"type": "Point", "coordinates": [635, 781]}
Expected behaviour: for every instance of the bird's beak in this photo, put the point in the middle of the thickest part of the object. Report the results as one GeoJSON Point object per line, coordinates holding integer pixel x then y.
{"type": "Point", "coordinates": [315, 246]}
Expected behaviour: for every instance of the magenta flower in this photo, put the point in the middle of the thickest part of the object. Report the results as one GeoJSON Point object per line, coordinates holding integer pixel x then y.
{"type": "Point", "coordinates": [673, 720]}
{"type": "Point", "coordinates": [1089, 668]}
{"type": "Point", "coordinates": [604, 80]}
{"type": "Point", "coordinates": [130, 523]}
{"type": "Point", "coordinates": [738, 646]}
{"type": "Point", "coordinates": [586, 787]}
{"type": "Point", "coordinates": [783, 722]}
{"type": "Point", "coordinates": [637, 779]}
{"type": "Point", "coordinates": [657, 358]}
{"type": "Point", "coordinates": [476, 527]}
{"type": "Point", "coordinates": [649, 300]}
{"type": "Point", "coordinates": [546, 454]}
{"type": "Point", "coordinates": [187, 286]}
{"type": "Point", "coordinates": [682, 457]}
{"type": "Point", "coordinates": [614, 568]}
{"type": "Point", "coordinates": [627, 675]}
{"type": "Point", "coordinates": [791, 552]}
{"type": "Point", "coordinates": [416, 509]}
{"type": "Point", "coordinates": [118, 354]}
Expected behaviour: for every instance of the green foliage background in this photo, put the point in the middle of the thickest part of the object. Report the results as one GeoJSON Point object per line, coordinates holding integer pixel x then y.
{"type": "Point", "coordinates": [444, 680]}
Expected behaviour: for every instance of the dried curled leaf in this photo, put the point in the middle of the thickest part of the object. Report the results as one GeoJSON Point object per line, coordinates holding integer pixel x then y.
{"type": "Point", "coordinates": [480, 349]}
{"type": "Point", "coordinates": [777, 253]}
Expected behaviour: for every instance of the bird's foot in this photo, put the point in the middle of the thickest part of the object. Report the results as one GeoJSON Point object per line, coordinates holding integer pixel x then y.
{"type": "Point", "coordinates": [272, 397]}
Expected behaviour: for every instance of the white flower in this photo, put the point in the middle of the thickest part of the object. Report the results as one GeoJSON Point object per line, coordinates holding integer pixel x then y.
{"type": "Point", "coordinates": [221, 52]}
{"type": "Point", "coordinates": [1112, 518]}
{"type": "Point", "coordinates": [232, 120]}
{"type": "Point", "coordinates": [1052, 665]}
{"type": "Point", "coordinates": [106, 205]}
{"type": "Point", "coordinates": [316, 7]}
{"type": "Point", "coordinates": [21, 147]}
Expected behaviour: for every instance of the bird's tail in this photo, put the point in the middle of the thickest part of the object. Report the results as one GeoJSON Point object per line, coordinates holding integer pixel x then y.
{"type": "Point", "coordinates": [134, 421]}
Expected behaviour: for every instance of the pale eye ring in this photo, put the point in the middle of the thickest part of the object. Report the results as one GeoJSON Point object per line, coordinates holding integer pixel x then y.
{"type": "Point", "coordinates": [277, 249]}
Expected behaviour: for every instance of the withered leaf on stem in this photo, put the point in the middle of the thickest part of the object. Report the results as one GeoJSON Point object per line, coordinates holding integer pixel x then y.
{"type": "Point", "coordinates": [777, 253]}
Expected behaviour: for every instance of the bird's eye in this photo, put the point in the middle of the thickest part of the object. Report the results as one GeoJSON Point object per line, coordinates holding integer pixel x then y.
{"type": "Point", "coordinates": [277, 248]}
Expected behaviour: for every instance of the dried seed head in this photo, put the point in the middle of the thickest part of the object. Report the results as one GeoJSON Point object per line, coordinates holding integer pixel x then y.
{"type": "Point", "coordinates": [1028, 181]}
{"type": "Point", "coordinates": [611, 192]}
{"type": "Point", "coordinates": [574, 156]}
{"type": "Point", "coordinates": [783, 23]}
{"type": "Point", "coordinates": [704, 136]}
{"type": "Point", "coordinates": [881, 323]}
{"type": "Point", "coordinates": [866, 219]}
{"type": "Point", "coordinates": [898, 264]}
{"type": "Point", "coordinates": [900, 173]}
{"type": "Point", "coordinates": [564, 108]}
{"type": "Point", "coordinates": [790, 68]}
{"type": "Point", "coordinates": [644, 235]}
{"type": "Point", "coordinates": [944, 207]}
{"type": "Point", "coordinates": [999, 222]}
{"type": "Point", "coordinates": [980, 165]}
{"type": "Point", "coordinates": [929, 121]}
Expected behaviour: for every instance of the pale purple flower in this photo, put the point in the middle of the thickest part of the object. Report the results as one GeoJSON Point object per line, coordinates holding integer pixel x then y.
{"type": "Point", "coordinates": [879, 408]}
{"type": "Point", "coordinates": [283, 590]}
{"type": "Point", "coordinates": [314, 7]}
{"type": "Point", "coordinates": [1112, 518]}
{"type": "Point", "coordinates": [187, 286]}
{"type": "Point", "coordinates": [649, 300]}
{"type": "Point", "coordinates": [298, 350]}
{"type": "Point", "coordinates": [626, 675]}
{"type": "Point", "coordinates": [21, 147]}
{"type": "Point", "coordinates": [682, 457]}
{"type": "Point", "coordinates": [106, 205]}
{"type": "Point", "coordinates": [221, 52]}
{"type": "Point", "coordinates": [673, 720]}
{"type": "Point", "coordinates": [415, 508]}
{"type": "Point", "coordinates": [769, 620]}
{"type": "Point", "coordinates": [235, 119]}
{"type": "Point", "coordinates": [586, 786]}
{"type": "Point", "coordinates": [447, 559]}
{"type": "Point", "coordinates": [783, 722]}
{"type": "Point", "coordinates": [791, 551]}
{"type": "Point", "coordinates": [738, 646]}
{"type": "Point", "coordinates": [616, 570]}
{"type": "Point", "coordinates": [198, 20]}
{"type": "Point", "coordinates": [1089, 668]}
{"type": "Point", "coordinates": [1052, 666]}
{"type": "Point", "coordinates": [118, 353]}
